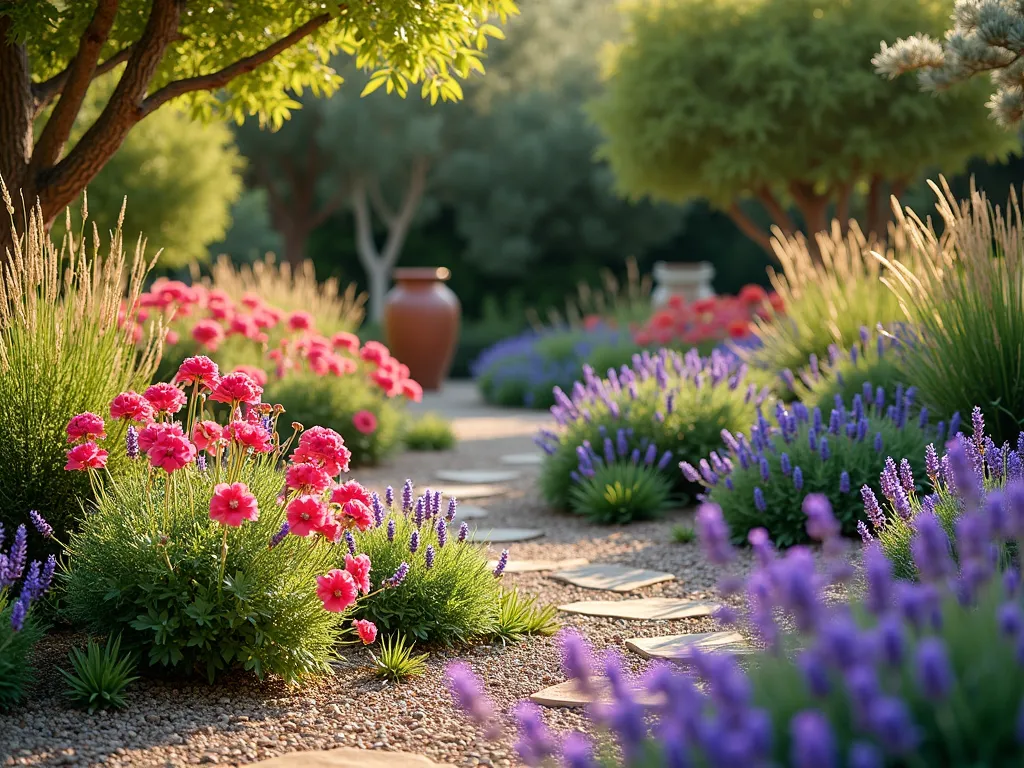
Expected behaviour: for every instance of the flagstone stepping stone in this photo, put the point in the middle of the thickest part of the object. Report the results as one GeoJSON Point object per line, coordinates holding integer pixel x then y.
{"type": "Point", "coordinates": [676, 647]}
{"type": "Point", "coordinates": [506, 535]}
{"type": "Point", "coordinates": [473, 491]}
{"type": "Point", "coordinates": [350, 757]}
{"type": "Point", "coordinates": [610, 577]}
{"type": "Point", "coordinates": [468, 512]}
{"type": "Point", "coordinates": [645, 608]}
{"type": "Point", "coordinates": [477, 475]}
{"type": "Point", "coordinates": [568, 694]}
{"type": "Point", "coordinates": [529, 566]}
{"type": "Point", "coordinates": [523, 459]}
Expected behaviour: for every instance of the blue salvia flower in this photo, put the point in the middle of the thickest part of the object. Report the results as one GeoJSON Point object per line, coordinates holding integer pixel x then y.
{"type": "Point", "coordinates": [414, 542]}
{"type": "Point", "coordinates": [131, 442]}
{"type": "Point", "coordinates": [813, 743]}
{"type": "Point", "coordinates": [834, 422]}
{"type": "Point", "coordinates": [634, 457]}
{"type": "Point", "coordinates": [844, 482]}
{"type": "Point", "coordinates": [398, 577]}
{"type": "Point", "coordinates": [650, 454]}
{"type": "Point", "coordinates": [18, 613]}
{"type": "Point", "coordinates": [389, 497]}
{"type": "Point", "coordinates": [391, 529]}
{"type": "Point", "coordinates": [798, 478]}
{"type": "Point", "coordinates": [502, 562]}
{"type": "Point", "coordinates": [954, 425]}
{"type": "Point", "coordinates": [442, 533]}
{"type": "Point", "coordinates": [350, 540]}
{"type": "Point", "coordinates": [940, 432]}
{"type": "Point", "coordinates": [879, 399]}
{"type": "Point", "coordinates": [463, 532]}
{"type": "Point", "coordinates": [609, 451]}
{"type": "Point", "coordinates": [44, 528]}
{"type": "Point", "coordinates": [878, 442]}
{"type": "Point", "coordinates": [407, 497]}
{"type": "Point", "coordinates": [764, 469]}
{"type": "Point", "coordinates": [621, 444]}
{"type": "Point", "coordinates": [824, 449]}
{"type": "Point", "coordinates": [759, 501]}
{"type": "Point", "coordinates": [428, 556]}
{"type": "Point", "coordinates": [666, 459]}
{"type": "Point", "coordinates": [785, 465]}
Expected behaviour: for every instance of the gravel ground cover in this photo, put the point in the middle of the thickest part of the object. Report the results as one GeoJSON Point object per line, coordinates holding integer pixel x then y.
{"type": "Point", "coordinates": [239, 722]}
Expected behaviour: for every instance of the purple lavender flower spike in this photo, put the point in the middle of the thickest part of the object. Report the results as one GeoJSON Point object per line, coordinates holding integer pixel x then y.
{"type": "Point", "coordinates": [814, 744]}
{"type": "Point", "coordinates": [934, 673]}
{"type": "Point", "coordinates": [18, 613]}
{"type": "Point", "coordinates": [398, 576]}
{"type": "Point", "coordinates": [419, 513]}
{"type": "Point", "coordinates": [469, 695]}
{"type": "Point", "coordinates": [759, 502]}
{"type": "Point", "coordinates": [978, 426]}
{"type": "Point", "coordinates": [821, 523]}
{"type": "Point", "coordinates": [689, 472]}
{"type": "Point", "coordinates": [499, 569]}
{"type": "Point", "coordinates": [844, 482]}
{"type": "Point", "coordinates": [350, 541]}
{"type": "Point", "coordinates": [931, 549]}
{"type": "Point", "coordinates": [954, 425]}
{"type": "Point", "coordinates": [428, 556]}
{"type": "Point", "coordinates": [871, 507]}
{"type": "Point", "coordinates": [865, 534]}
{"type": "Point", "coordinates": [463, 532]}
{"type": "Point", "coordinates": [46, 578]}
{"type": "Point", "coordinates": [391, 529]}
{"type": "Point", "coordinates": [378, 509]}
{"type": "Point", "coordinates": [798, 478]}
{"type": "Point", "coordinates": [407, 497]}
{"type": "Point", "coordinates": [765, 473]}
{"type": "Point", "coordinates": [650, 454]}
{"type": "Point", "coordinates": [278, 537]}
{"type": "Point", "coordinates": [535, 744]}
{"type": "Point", "coordinates": [389, 497]}
{"type": "Point", "coordinates": [18, 556]}
{"type": "Point", "coordinates": [414, 542]}
{"type": "Point", "coordinates": [131, 442]}
{"type": "Point", "coordinates": [44, 528]}
{"type": "Point", "coordinates": [823, 448]}
{"type": "Point", "coordinates": [577, 751]}
{"type": "Point", "coordinates": [453, 506]}
{"type": "Point", "coordinates": [714, 534]}
{"type": "Point", "coordinates": [785, 465]}
{"type": "Point", "coordinates": [906, 475]}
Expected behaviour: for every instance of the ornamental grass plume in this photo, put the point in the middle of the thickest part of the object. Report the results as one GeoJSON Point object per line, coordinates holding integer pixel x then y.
{"type": "Point", "coordinates": [907, 674]}
{"type": "Point", "coordinates": [196, 556]}
{"type": "Point", "coordinates": [963, 291]}
{"type": "Point", "coordinates": [70, 339]}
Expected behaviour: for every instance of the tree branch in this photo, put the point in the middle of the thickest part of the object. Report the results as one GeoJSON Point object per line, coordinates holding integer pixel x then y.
{"type": "Point", "coordinates": [748, 227]}
{"type": "Point", "coordinates": [334, 202]}
{"type": "Point", "coordinates": [779, 214]}
{"type": "Point", "coordinates": [79, 74]}
{"type": "Point", "coordinates": [399, 228]}
{"type": "Point", "coordinates": [380, 205]}
{"type": "Point", "coordinates": [45, 92]}
{"type": "Point", "coordinates": [366, 248]}
{"type": "Point", "coordinates": [222, 77]}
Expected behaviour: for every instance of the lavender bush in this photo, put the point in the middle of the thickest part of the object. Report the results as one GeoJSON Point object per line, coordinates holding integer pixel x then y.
{"type": "Point", "coordinates": [926, 674]}
{"type": "Point", "coordinates": [524, 370]}
{"type": "Point", "coordinates": [22, 584]}
{"type": "Point", "coordinates": [443, 590]}
{"type": "Point", "coordinates": [973, 465]}
{"type": "Point", "coordinates": [677, 404]}
{"type": "Point", "coordinates": [759, 481]}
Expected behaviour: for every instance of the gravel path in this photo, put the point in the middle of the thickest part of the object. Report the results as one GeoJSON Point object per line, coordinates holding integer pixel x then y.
{"type": "Point", "coordinates": [238, 722]}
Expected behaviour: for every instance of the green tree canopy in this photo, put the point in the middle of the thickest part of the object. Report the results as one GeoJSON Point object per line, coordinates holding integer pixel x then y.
{"type": "Point", "coordinates": [222, 58]}
{"type": "Point", "coordinates": [776, 100]}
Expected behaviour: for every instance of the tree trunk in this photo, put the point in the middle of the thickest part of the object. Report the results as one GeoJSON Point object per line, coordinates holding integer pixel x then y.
{"type": "Point", "coordinates": [295, 240]}
{"type": "Point", "coordinates": [378, 280]}
{"type": "Point", "coordinates": [874, 209]}
{"type": "Point", "coordinates": [15, 135]}
{"type": "Point", "coordinates": [749, 227]}
{"type": "Point", "coordinates": [814, 209]}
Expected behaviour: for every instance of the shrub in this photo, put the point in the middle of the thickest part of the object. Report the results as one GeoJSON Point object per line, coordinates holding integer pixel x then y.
{"type": "Point", "coordinates": [445, 593]}
{"type": "Point", "coordinates": [684, 534]}
{"type": "Point", "coordinates": [370, 422]}
{"type": "Point", "coordinates": [523, 370]}
{"type": "Point", "coordinates": [907, 674]}
{"type": "Point", "coordinates": [195, 553]}
{"type": "Point", "coordinates": [677, 404]}
{"type": "Point", "coordinates": [521, 616]}
{"type": "Point", "coordinates": [967, 305]}
{"type": "Point", "coordinates": [62, 351]}
{"type": "Point", "coordinates": [760, 481]}
{"type": "Point", "coordinates": [973, 464]}
{"type": "Point", "coordinates": [620, 492]}
{"type": "Point", "coordinates": [395, 660]}
{"type": "Point", "coordinates": [827, 301]}
{"type": "Point", "coordinates": [100, 675]}
{"type": "Point", "coordinates": [714, 319]}
{"type": "Point", "coordinates": [430, 432]}
{"type": "Point", "coordinates": [20, 626]}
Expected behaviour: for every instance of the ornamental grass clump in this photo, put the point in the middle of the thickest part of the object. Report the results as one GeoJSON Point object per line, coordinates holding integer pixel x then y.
{"type": "Point", "coordinates": [67, 345]}
{"type": "Point", "coordinates": [964, 293]}
{"type": "Point", "coordinates": [759, 481]}
{"type": "Point", "coordinates": [204, 554]}
{"type": "Point", "coordinates": [430, 432]}
{"type": "Point", "coordinates": [22, 584]}
{"type": "Point", "coordinates": [973, 465]}
{"type": "Point", "coordinates": [926, 674]}
{"type": "Point", "coordinates": [624, 490]}
{"type": "Point", "coordinates": [678, 404]}
{"type": "Point", "coordinates": [438, 585]}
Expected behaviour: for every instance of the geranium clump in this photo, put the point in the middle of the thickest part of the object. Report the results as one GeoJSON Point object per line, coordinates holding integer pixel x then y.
{"type": "Point", "coordinates": [711, 320]}
{"type": "Point", "coordinates": [204, 554]}
{"type": "Point", "coordinates": [904, 674]}
{"type": "Point", "coordinates": [758, 481]}
{"type": "Point", "coordinates": [22, 585]}
{"type": "Point", "coordinates": [437, 584]}
{"type": "Point", "coordinates": [677, 404]}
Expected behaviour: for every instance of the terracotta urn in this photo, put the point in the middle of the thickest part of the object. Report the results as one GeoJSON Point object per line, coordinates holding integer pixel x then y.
{"type": "Point", "coordinates": [421, 323]}
{"type": "Point", "coordinates": [692, 281]}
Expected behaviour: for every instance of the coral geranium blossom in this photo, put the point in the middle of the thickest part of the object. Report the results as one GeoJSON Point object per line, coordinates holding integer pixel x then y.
{"type": "Point", "coordinates": [131, 406]}
{"type": "Point", "coordinates": [231, 504]}
{"type": "Point", "coordinates": [206, 435]}
{"type": "Point", "coordinates": [365, 422]}
{"type": "Point", "coordinates": [336, 589]}
{"type": "Point", "coordinates": [349, 491]}
{"type": "Point", "coordinates": [305, 515]}
{"type": "Point", "coordinates": [171, 452]}
{"type": "Point", "coordinates": [251, 436]}
{"type": "Point", "coordinates": [325, 448]}
{"type": "Point", "coordinates": [307, 478]}
{"type": "Point", "coordinates": [366, 630]}
{"type": "Point", "coordinates": [86, 456]}
{"type": "Point", "coordinates": [199, 369]}
{"type": "Point", "coordinates": [237, 388]}
{"type": "Point", "coordinates": [208, 333]}
{"type": "Point", "coordinates": [359, 567]}
{"type": "Point", "coordinates": [165, 398]}
{"type": "Point", "coordinates": [358, 513]}
{"type": "Point", "coordinates": [85, 426]}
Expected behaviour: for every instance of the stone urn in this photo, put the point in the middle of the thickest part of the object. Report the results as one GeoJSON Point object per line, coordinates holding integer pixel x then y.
{"type": "Point", "coordinates": [691, 281]}
{"type": "Point", "coordinates": [421, 323]}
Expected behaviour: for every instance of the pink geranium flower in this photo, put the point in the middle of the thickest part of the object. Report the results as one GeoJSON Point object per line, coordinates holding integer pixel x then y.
{"type": "Point", "coordinates": [131, 406]}
{"type": "Point", "coordinates": [165, 398]}
{"type": "Point", "coordinates": [336, 589]}
{"type": "Point", "coordinates": [331, 529]}
{"type": "Point", "coordinates": [152, 433]}
{"type": "Point", "coordinates": [86, 456]}
{"type": "Point", "coordinates": [305, 515]}
{"type": "Point", "coordinates": [237, 388]}
{"type": "Point", "coordinates": [325, 448]}
{"type": "Point", "coordinates": [358, 513]}
{"type": "Point", "coordinates": [412, 390]}
{"type": "Point", "coordinates": [199, 369]}
{"type": "Point", "coordinates": [251, 435]}
{"type": "Point", "coordinates": [307, 478]}
{"type": "Point", "coordinates": [359, 567]}
{"type": "Point", "coordinates": [349, 491]}
{"type": "Point", "coordinates": [256, 374]}
{"type": "Point", "coordinates": [231, 504]}
{"type": "Point", "coordinates": [367, 630]}
{"type": "Point", "coordinates": [387, 381]}
{"type": "Point", "coordinates": [300, 321]}
{"type": "Point", "coordinates": [244, 325]}
{"type": "Point", "coordinates": [85, 426]}
{"type": "Point", "coordinates": [365, 422]}
{"type": "Point", "coordinates": [374, 352]}
{"type": "Point", "coordinates": [208, 333]}
{"type": "Point", "coordinates": [206, 435]}
{"type": "Point", "coordinates": [343, 340]}
{"type": "Point", "coordinates": [171, 338]}
{"type": "Point", "coordinates": [251, 301]}
{"type": "Point", "coordinates": [171, 452]}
